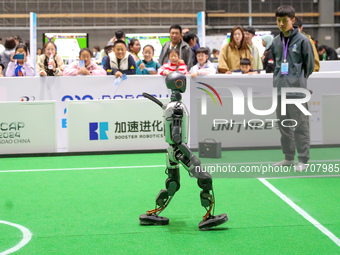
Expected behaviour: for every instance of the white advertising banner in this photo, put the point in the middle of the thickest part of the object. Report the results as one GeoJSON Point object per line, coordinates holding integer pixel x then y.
{"type": "Point", "coordinates": [331, 119]}
{"type": "Point", "coordinates": [81, 88]}
{"type": "Point", "coordinates": [115, 125]}
{"type": "Point", "coordinates": [27, 127]}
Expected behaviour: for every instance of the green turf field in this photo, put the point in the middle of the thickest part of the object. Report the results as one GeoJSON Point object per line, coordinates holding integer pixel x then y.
{"type": "Point", "coordinates": [91, 205]}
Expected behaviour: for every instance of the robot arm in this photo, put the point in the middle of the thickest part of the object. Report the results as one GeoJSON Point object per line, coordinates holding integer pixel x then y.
{"type": "Point", "coordinates": [176, 126]}
{"type": "Point", "coordinates": [153, 99]}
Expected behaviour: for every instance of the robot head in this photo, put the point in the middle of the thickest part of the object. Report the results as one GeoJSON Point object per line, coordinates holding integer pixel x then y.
{"type": "Point", "coordinates": [176, 81]}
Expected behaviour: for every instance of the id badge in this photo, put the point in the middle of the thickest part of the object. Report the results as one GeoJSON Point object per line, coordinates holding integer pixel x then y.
{"type": "Point", "coordinates": [284, 68]}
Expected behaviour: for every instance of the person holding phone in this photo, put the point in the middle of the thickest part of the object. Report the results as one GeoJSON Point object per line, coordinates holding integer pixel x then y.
{"type": "Point", "coordinates": [19, 66]}
{"type": "Point", "coordinates": [50, 63]}
{"type": "Point", "coordinates": [147, 66]}
{"type": "Point", "coordinates": [84, 66]}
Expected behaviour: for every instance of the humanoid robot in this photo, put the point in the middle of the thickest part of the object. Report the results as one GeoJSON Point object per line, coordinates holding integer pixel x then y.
{"type": "Point", "coordinates": [176, 128]}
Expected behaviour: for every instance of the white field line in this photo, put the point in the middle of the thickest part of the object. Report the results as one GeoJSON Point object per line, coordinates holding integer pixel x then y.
{"type": "Point", "coordinates": [27, 235]}
{"type": "Point", "coordinates": [303, 213]}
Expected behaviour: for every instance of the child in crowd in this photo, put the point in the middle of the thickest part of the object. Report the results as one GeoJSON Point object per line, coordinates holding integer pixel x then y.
{"type": "Point", "coordinates": [245, 65]}
{"type": "Point", "coordinates": [108, 50]}
{"type": "Point", "coordinates": [84, 66]}
{"type": "Point", "coordinates": [174, 64]}
{"type": "Point", "coordinates": [2, 67]}
{"type": "Point", "coordinates": [203, 66]}
{"type": "Point", "coordinates": [134, 48]}
{"type": "Point", "coordinates": [19, 66]}
{"type": "Point", "coordinates": [50, 63]}
{"type": "Point", "coordinates": [147, 66]}
{"type": "Point", "coordinates": [120, 61]}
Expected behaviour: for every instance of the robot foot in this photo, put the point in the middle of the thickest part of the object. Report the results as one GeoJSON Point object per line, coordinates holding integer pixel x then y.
{"type": "Point", "coordinates": [213, 221]}
{"type": "Point", "coordinates": [145, 219]}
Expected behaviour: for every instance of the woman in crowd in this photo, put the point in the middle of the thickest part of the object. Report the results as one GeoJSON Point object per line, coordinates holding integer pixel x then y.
{"type": "Point", "coordinates": [50, 63]}
{"type": "Point", "coordinates": [134, 48]}
{"type": "Point", "coordinates": [147, 66]}
{"type": "Point", "coordinates": [233, 52]}
{"type": "Point", "coordinates": [84, 66]}
{"type": "Point", "coordinates": [19, 66]}
{"type": "Point", "coordinates": [267, 58]}
{"type": "Point", "coordinates": [5, 56]}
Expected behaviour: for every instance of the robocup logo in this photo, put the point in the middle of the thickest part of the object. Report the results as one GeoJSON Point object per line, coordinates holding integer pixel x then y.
{"type": "Point", "coordinates": [239, 103]}
{"type": "Point", "coordinates": [100, 134]}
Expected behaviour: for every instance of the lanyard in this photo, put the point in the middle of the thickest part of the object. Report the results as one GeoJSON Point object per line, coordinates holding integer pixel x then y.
{"type": "Point", "coordinates": [285, 48]}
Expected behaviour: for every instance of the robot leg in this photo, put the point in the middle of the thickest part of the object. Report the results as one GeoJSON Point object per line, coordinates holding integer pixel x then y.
{"type": "Point", "coordinates": [204, 181]}
{"type": "Point", "coordinates": [164, 197]}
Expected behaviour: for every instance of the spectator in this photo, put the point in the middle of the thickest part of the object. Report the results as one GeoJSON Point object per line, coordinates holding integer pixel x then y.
{"type": "Point", "coordinates": [5, 56]}
{"type": "Point", "coordinates": [84, 66]}
{"type": "Point", "coordinates": [2, 48]}
{"type": "Point", "coordinates": [147, 66]}
{"type": "Point", "coordinates": [267, 58]}
{"type": "Point", "coordinates": [119, 35]}
{"type": "Point", "coordinates": [174, 64]}
{"type": "Point", "coordinates": [327, 53]}
{"type": "Point", "coordinates": [176, 42]}
{"type": "Point", "coordinates": [191, 39]}
{"type": "Point", "coordinates": [96, 53]}
{"type": "Point", "coordinates": [19, 67]}
{"type": "Point", "coordinates": [120, 61]}
{"type": "Point", "coordinates": [298, 24]}
{"type": "Point", "coordinates": [232, 53]}
{"type": "Point", "coordinates": [17, 39]}
{"type": "Point", "coordinates": [39, 52]}
{"type": "Point", "coordinates": [1, 70]}
{"type": "Point", "coordinates": [249, 34]}
{"type": "Point", "coordinates": [184, 31]}
{"type": "Point", "coordinates": [245, 65]}
{"type": "Point", "coordinates": [291, 49]}
{"type": "Point", "coordinates": [108, 50]}
{"type": "Point", "coordinates": [203, 66]}
{"type": "Point", "coordinates": [134, 48]}
{"type": "Point", "coordinates": [214, 55]}
{"type": "Point", "coordinates": [50, 63]}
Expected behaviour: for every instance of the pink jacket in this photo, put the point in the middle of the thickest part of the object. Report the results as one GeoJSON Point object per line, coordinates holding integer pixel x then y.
{"type": "Point", "coordinates": [72, 70]}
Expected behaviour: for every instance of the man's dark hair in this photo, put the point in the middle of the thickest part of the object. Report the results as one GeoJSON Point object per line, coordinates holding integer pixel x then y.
{"type": "Point", "coordinates": [188, 36]}
{"type": "Point", "coordinates": [250, 30]}
{"type": "Point", "coordinates": [321, 47]}
{"type": "Point", "coordinates": [245, 61]}
{"type": "Point", "coordinates": [119, 34]}
{"type": "Point", "coordinates": [119, 42]}
{"type": "Point", "coordinates": [297, 23]}
{"type": "Point", "coordinates": [285, 10]}
{"type": "Point", "coordinates": [202, 50]}
{"type": "Point", "coordinates": [176, 26]}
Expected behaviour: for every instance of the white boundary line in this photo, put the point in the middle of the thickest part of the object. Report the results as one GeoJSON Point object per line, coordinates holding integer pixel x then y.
{"type": "Point", "coordinates": [77, 169]}
{"type": "Point", "coordinates": [303, 213]}
{"type": "Point", "coordinates": [27, 235]}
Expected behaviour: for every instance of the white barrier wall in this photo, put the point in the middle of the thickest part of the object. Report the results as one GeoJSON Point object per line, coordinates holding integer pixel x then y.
{"type": "Point", "coordinates": [63, 89]}
{"type": "Point", "coordinates": [27, 127]}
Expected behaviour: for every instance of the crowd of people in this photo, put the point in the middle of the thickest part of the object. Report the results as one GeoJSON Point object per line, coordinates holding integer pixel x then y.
{"type": "Point", "coordinates": [182, 53]}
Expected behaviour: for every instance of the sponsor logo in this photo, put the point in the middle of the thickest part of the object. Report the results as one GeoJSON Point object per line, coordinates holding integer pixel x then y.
{"type": "Point", "coordinates": [100, 134]}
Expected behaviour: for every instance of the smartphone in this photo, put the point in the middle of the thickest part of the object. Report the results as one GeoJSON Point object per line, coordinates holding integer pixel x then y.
{"type": "Point", "coordinates": [19, 56]}
{"type": "Point", "coordinates": [81, 63]}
